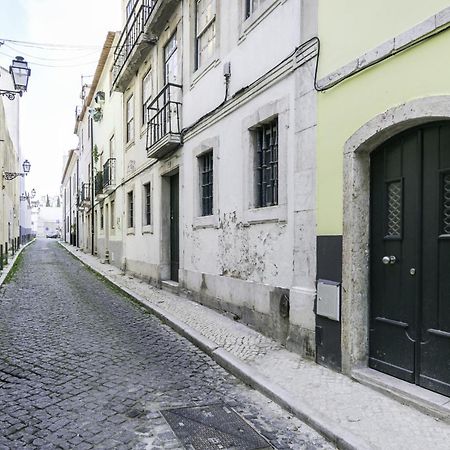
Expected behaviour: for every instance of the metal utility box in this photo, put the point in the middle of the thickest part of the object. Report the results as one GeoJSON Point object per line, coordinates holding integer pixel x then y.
{"type": "Point", "coordinates": [328, 299]}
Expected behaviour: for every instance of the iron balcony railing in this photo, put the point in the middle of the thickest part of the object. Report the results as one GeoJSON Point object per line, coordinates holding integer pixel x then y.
{"type": "Point", "coordinates": [134, 28]}
{"type": "Point", "coordinates": [109, 173]}
{"type": "Point", "coordinates": [164, 114]}
{"type": "Point", "coordinates": [98, 183]}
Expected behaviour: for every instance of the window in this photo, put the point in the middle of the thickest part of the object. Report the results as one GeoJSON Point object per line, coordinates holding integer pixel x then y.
{"type": "Point", "coordinates": [130, 119]}
{"type": "Point", "coordinates": [113, 213]}
{"type": "Point", "coordinates": [205, 30]}
{"type": "Point", "coordinates": [102, 218]}
{"type": "Point", "coordinates": [251, 6]}
{"type": "Point", "coordinates": [147, 204]}
{"type": "Point", "coordinates": [266, 164]}
{"type": "Point", "coordinates": [146, 95]}
{"type": "Point", "coordinates": [206, 183]}
{"type": "Point", "coordinates": [130, 210]}
{"type": "Point", "coordinates": [112, 147]}
{"type": "Point", "coordinates": [171, 60]}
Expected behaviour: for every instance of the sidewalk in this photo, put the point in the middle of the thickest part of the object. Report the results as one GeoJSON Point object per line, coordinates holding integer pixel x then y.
{"type": "Point", "coordinates": [348, 413]}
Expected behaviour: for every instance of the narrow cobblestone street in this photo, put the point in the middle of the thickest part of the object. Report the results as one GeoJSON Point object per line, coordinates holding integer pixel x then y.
{"type": "Point", "coordinates": [83, 367]}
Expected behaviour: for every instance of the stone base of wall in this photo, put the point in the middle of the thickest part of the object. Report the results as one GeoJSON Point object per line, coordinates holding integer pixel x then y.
{"type": "Point", "coordinates": [255, 304]}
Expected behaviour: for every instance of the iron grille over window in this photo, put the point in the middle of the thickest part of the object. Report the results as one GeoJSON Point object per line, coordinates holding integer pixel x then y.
{"type": "Point", "coordinates": [206, 183]}
{"type": "Point", "coordinates": [147, 197]}
{"type": "Point", "coordinates": [102, 218]}
{"type": "Point", "coordinates": [130, 210]}
{"type": "Point", "coordinates": [267, 164]}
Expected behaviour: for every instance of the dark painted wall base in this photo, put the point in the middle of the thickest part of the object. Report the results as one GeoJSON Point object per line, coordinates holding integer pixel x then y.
{"type": "Point", "coordinates": [328, 332]}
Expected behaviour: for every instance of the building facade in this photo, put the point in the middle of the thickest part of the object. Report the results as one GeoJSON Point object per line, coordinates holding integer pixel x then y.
{"type": "Point", "coordinates": [10, 160]}
{"type": "Point", "coordinates": [383, 160]}
{"type": "Point", "coordinates": [211, 128]}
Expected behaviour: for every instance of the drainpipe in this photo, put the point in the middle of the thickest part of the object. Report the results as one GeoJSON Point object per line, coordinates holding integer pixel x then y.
{"type": "Point", "coordinates": [77, 235]}
{"type": "Point", "coordinates": [91, 125]}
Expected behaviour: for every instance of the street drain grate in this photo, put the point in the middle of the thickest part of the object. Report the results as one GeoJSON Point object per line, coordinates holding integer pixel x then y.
{"type": "Point", "coordinates": [213, 427]}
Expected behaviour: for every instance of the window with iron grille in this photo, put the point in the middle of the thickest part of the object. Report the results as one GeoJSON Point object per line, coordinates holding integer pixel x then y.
{"type": "Point", "coordinates": [205, 34]}
{"type": "Point", "coordinates": [147, 205]}
{"type": "Point", "coordinates": [102, 218]}
{"type": "Point", "coordinates": [130, 210]}
{"type": "Point", "coordinates": [266, 164]}
{"type": "Point", "coordinates": [130, 119]}
{"type": "Point", "coordinates": [206, 183]}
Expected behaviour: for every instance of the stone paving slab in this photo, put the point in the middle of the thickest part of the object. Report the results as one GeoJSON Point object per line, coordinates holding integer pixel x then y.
{"type": "Point", "coordinates": [350, 414]}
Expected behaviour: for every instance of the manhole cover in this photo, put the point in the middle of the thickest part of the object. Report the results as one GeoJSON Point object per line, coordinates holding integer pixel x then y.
{"type": "Point", "coordinates": [213, 427]}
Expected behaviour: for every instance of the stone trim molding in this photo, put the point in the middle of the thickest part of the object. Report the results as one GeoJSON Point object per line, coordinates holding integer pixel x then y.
{"type": "Point", "coordinates": [355, 266]}
{"type": "Point", "coordinates": [395, 45]}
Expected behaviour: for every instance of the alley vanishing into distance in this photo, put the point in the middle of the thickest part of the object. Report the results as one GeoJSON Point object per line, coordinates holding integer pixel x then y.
{"type": "Point", "coordinates": [82, 366]}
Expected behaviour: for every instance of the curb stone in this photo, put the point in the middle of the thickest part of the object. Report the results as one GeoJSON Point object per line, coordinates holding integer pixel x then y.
{"type": "Point", "coordinates": [12, 262]}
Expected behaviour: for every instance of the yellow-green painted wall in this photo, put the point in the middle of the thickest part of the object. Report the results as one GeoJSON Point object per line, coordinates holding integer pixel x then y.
{"type": "Point", "coordinates": [347, 30]}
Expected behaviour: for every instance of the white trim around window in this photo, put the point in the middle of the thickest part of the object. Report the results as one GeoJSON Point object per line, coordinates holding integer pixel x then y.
{"type": "Point", "coordinates": [265, 114]}
{"type": "Point", "coordinates": [211, 221]}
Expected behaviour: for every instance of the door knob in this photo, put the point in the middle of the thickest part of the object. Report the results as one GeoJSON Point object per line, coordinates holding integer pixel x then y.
{"type": "Point", "coordinates": [389, 259]}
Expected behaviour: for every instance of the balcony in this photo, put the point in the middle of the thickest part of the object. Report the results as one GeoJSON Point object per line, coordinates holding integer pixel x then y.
{"type": "Point", "coordinates": [84, 196]}
{"type": "Point", "coordinates": [146, 20]}
{"type": "Point", "coordinates": [109, 176]}
{"type": "Point", "coordinates": [98, 185]}
{"type": "Point", "coordinates": [164, 123]}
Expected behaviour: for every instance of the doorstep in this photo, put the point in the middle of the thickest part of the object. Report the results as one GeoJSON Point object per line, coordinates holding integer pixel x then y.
{"type": "Point", "coordinates": [171, 286]}
{"type": "Point", "coordinates": [424, 400]}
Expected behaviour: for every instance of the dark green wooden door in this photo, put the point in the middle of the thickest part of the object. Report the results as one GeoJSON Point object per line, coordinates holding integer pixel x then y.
{"type": "Point", "coordinates": [410, 257]}
{"type": "Point", "coordinates": [174, 228]}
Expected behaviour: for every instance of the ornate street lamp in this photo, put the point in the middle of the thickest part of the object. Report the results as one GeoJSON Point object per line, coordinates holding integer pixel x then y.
{"type": "Point", "coordinates": [11, 175]}
{"type": "Point", "coordinates": [28, 196]}
{"type": "Point", "coordinates": [20, 73]}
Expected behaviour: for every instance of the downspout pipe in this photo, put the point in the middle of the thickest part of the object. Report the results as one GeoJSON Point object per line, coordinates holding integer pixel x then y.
{"type": "Point", "coordinates": [91, 125]}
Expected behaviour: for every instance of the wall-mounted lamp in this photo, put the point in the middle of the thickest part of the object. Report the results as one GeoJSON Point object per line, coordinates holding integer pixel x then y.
{"type": "Point", "coordinates": [100, 98]}
{"type": "Point", "coordinates": [11, 175]}
{"type": "Point", "coordinates": [28, 196]}
{"type": "Point", "coordinates": [20, 74]}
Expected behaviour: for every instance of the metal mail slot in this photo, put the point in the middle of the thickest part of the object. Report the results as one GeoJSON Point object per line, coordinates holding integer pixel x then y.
{"type": "Point", "coordinates": [328, 299]}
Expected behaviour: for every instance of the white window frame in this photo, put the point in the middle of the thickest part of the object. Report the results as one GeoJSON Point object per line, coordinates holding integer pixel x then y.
{"type": "Point", "coordinates": [268, 112]}
{"type": "Point", "coordinates": [212, 221]}
{"type": "Point", "coordinates": [200, 32]}
{"type": "Point", "coordinates": [146, 100]}
{"type": "Point", "coordinates": [129, 118]}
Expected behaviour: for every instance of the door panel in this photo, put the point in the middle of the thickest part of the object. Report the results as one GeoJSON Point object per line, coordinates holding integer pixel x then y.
{"type": "Point", "coordinates": [410, 219]}
{"type": "Point", "coordinates": [435, 345]}
{"type": "Point", "coordinates": [395, 196]}
{"type": "Point", "coordinates": [174, 228]}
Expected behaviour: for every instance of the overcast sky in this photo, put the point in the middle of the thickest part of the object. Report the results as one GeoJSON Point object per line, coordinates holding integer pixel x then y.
{"type": "Point", "coordinates": [48, 108]}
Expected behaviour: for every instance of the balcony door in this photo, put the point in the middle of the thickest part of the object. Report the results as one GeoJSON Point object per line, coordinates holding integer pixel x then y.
{"type": "Point", "coordinates": [171, 75]}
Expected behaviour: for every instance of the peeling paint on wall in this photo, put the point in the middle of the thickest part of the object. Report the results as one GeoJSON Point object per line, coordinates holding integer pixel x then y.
{"type": "Point", "coordinates": [244, 254]}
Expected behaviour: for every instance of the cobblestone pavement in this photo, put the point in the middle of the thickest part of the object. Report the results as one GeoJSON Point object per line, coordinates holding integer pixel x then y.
{"type": "Point", "coordinates": [83, 367]}
{"type": "Point", "coordinates": [374, 419]}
